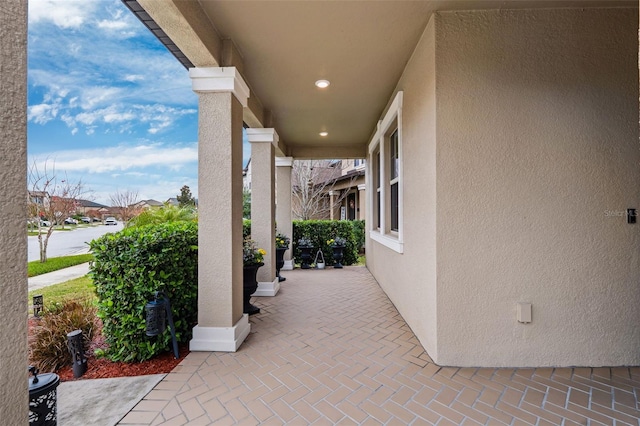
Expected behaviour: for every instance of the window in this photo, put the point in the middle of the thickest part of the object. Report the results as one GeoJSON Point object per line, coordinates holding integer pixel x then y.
{"type": "Point", "coordinates": [385, 151]}
{"type": "Point", "coordinates": [393, 182]}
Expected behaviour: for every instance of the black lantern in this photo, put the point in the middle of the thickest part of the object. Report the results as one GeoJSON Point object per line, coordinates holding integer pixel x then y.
{"type": "Point", "coordinates": [38, 305]}
{"type": "Point", "coordinates": [158, 310]}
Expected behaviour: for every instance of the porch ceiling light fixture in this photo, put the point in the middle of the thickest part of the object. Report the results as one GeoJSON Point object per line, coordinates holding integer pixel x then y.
{"type": "Point", "coordinates": [323, 134]}
{"type": "Point", "coordinates": [322, 84]}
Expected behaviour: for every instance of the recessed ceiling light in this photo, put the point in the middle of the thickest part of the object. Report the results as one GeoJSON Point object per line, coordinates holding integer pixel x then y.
{"type": "Point", "coordinates": [322, 83]}
{"type": "Point", "coordinates": [323, 134]}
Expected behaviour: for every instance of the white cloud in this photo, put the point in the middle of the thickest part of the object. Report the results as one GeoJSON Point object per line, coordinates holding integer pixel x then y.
{"type": "Point", "coordinates": [125, 158]}
{"type": "Point", "coordinates": [62, 13]}
{"type": "Point", "coordinates": [41, 113]}
{"type": "Point", "coordinates": [134, 77]}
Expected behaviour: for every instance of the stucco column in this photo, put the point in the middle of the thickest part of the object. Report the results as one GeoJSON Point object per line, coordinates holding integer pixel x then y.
{"type": "Point", "coordinates": [332, 205]}
{"type": "Point", "coordinates": [362, 201]}
{"type": "Point", "coordinates": [221, 324]}
{"type": "Point", "coordinates": [263, 205]}
{"type": "Point", "coordinates": [14, 402]}
{"type": "Point", "coordinates": [283, 205]}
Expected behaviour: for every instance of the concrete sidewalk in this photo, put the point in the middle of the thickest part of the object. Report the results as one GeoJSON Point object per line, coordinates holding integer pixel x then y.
{"type": "Point", "coordinates": [58, 276]}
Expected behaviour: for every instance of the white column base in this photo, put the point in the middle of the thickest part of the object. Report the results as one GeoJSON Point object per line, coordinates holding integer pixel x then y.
{"type": "Point", "coordinates": [288, 265]}
{"type": "Point", "coordinates": [267, 288]}
{"type": "Point", "coordinates": [220, 339]}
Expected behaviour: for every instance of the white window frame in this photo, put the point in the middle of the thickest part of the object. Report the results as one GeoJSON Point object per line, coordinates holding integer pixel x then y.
{"type": "Point", "coordinates": [380, 143]}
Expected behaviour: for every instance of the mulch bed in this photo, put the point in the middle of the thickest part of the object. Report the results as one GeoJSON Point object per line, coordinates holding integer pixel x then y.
{"type": "Point", "coordinates": [102, 368]}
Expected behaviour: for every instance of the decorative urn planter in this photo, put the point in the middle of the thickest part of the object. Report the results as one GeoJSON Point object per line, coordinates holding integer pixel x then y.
{"type": "Point", "coordinates": [280, 262]}
{"type": "Point", "coordinates": [337, 256]}
{"type": "Point", "coordinates": [305, 257]}
{"type": "Point", "coordinates": [249, 286]}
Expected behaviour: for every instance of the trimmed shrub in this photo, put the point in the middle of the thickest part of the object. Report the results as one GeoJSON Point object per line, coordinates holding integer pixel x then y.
{"type": "Point", "coordinates": [48, 344]}
{"type": "Point", "coordinates": [319, 232]}
{"type": "Point", "coordinates": [129, 267]}
{"type": "Point", "coordinates": [164, 214]}
{"type": "Point", "coordinates": [358, 230]}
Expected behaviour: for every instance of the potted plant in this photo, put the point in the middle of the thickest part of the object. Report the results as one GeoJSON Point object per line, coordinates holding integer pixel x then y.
{"type": "Point", "coordinates": [282, 245]}
{"type": "Point", "coordinates": [306, 247]}
{"type": "Point", "coordinates": [337, 244]}
{"type": "Point", "coordinates": [252, 259]}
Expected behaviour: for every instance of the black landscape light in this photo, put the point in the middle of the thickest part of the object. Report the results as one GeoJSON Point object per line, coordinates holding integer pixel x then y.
{"type": "Point", "coordinates": [38, 305]}
{"type": "Point", "coordinates": [157, 311]}
{"type": "Point", "coordinates": [75, 343]}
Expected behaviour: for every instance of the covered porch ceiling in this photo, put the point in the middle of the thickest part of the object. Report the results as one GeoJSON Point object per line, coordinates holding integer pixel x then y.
{"type": "Point", "coordinates": [283, 47]}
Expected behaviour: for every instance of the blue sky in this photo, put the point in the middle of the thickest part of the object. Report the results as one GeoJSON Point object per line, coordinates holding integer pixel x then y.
{"type": "Point", "coordinates": [107, 102]}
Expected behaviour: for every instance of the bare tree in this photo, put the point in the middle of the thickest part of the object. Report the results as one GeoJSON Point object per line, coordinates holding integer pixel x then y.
{"type": "Point", "coordinates": [124, 203]}
{"type": "Point", "coordinates": [50, 198]}
{"type": "Point", "coordinates": [313, 180]}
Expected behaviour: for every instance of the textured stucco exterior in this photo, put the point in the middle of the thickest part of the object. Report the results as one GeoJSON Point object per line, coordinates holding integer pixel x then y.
{"type": "Point", "coordinates": [283, 202]}
{"type": "Point", "coordinates": [220, 235]}
{"type": "Point", "coordinates": [263, 205]}
{"type": "Point", "coordinates": [520, 157]}
{"type": "Point", "coordinates": [13, 244]}
{"type": "Point", "coordinates": [410, 279]}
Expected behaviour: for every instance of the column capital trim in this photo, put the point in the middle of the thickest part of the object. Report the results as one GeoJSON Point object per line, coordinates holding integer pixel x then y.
{"type": "Point", "coordinates": [219, 80]}
{"type": "Point", "coordinates": [362, 187]}
{"type": "Point", "coordinates": [258, 135]}
{"type": "Point", "coordinates": [284, 161]}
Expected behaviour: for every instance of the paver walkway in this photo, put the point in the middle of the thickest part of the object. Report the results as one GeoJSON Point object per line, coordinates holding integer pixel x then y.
{"type": "Point", "coordinates": [330, 348]}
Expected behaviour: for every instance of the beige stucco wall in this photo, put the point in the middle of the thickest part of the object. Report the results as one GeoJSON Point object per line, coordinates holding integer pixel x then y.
{"type": "Point", "coordinates": [537, 152]}
{"type": "Point", "coordinates": [409, 279]}
{"type": "Point", "coordinates": [537, 139]}
{"type": "Point", "coordinates": [220, 236]}
{"type": "Point", "coordinates": [13, 243]}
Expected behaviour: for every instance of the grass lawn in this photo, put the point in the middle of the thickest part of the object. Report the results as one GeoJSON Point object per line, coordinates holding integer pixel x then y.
{"type": "Point", "coordinates": [80, 288]}
{"type": "Point", "coordinates": [54, 263]}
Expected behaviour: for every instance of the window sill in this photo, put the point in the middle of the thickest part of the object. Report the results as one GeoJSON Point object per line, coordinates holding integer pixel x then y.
{"type": "Point", "coordinates": [387, 241]}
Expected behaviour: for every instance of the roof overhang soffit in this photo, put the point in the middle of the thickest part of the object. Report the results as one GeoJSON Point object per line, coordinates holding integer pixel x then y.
{"type": "Point", "coordinates": [187, 25]}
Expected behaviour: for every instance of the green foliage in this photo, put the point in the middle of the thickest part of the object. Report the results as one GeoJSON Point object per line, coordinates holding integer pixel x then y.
{"type": "Point", "coordinates": [246, 204]}
{"type": "Point", "coordinates": [185, 199]}
{"type": "Point", "coordinates": [358, 229]}
{"type": "Point", "coordinates": [321, 231]}
{"type": "Point", "coordinates": [164, 214]}
{"type": "Point", "coordinates": [79, 288]}
{"type": "Point", "coordinates": [55, 263]}
{"type": "Point", "coordinates": [129, 267]}
{"type": "Point", "coordinates": [48, 343]}
{"type": "Point", "coordinates": [246, 229]}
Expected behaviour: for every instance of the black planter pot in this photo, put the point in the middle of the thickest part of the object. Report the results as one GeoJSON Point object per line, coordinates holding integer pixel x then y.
{"type": "Point", "coordinates": [280, 262]}
{"type": "Point", "coordinates": [249, 286]}
{"type": "Point", "coordinates": [305, 257]}
{"type": "Point", "coordinates": [337, 256]}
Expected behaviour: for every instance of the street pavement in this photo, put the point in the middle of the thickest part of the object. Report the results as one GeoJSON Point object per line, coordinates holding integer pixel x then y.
{"type": "Point", "coordinates": [66, 243]}
{"type": "Point", "coordinates": [58, 276]}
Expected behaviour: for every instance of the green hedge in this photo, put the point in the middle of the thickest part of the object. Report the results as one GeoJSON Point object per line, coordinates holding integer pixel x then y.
{"type": "Point", "coordinates": [319, 231]}
{"type": "Point", "coordinates": [129, 267]}
{"type": "Point", "coordinates": [358, 229]}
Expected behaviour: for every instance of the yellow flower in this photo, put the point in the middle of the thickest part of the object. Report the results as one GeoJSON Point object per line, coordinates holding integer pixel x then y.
{"type": "Point", "coordinates": [262, 251]}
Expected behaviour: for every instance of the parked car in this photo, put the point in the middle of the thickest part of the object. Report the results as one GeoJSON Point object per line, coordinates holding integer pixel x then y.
{"type": "Point", "coordinates": [70, 221]}
{"type": "Point", "coordinates": [110, 221]}
{"type": "Point", "coordinates": [45, 223]}
{"type": "Point", "coordinates": [97, 219]}
{"type": "Point", "coordinates": [85, 219]}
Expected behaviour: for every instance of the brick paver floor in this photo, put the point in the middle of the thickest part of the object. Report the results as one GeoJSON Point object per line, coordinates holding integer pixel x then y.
{"type": "Point", "coordinates": [331, 348]}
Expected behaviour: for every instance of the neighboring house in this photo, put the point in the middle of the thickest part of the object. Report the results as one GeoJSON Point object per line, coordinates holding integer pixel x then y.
{"type": "Point", "coordinates": [350, 190]}
{"type": "Point", "coordinates": [40, 198]}
{"type": "Point", "coordinates": [84, 207]}
{"type": "Point", "coordinates": [246, 176]}
{"type": "Point", "coordinates": [172, 202]}
{"type": "Point", "coordinates": [147, 204]}
{"type": "Point", "coordinates": [502, 161]}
